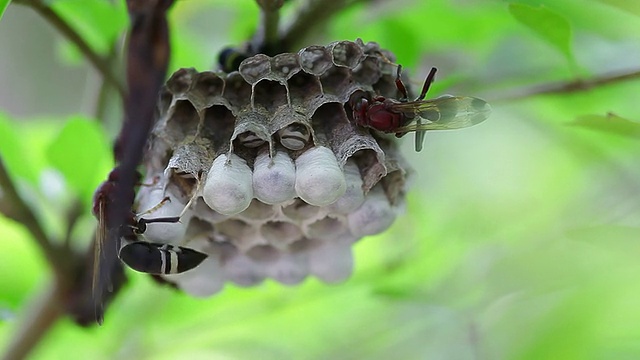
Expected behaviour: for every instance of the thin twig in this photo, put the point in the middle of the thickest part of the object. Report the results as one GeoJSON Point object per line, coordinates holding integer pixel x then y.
{"type": "Point", "coordinates": [65, 29]}
{"type": "Point", "coordinates": [267, 38]}
{"type": "Point", "coordinates": [73, 214]}
{"type": "Point", "coordinates": [39, 318]}
{"type": "Point", "coordinates": [570, 87]}
{"type": "Point", "coordinates": [14, 207]}
{"type": "Point", "coordinates": [308, 17]}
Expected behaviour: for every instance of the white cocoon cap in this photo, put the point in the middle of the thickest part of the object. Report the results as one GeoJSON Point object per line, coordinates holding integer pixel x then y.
{"type": "Point", "coordinates": [242, 270]}
{"type": "Point", "coordinates": [274, 182]}
{"type": "Point", "coordinates": [332, 261]}
{"type": "Point", "coordinates": [163, 232]}
{"type": "Point", "coordinates": [280, 234]}
{"type": "Point", "coordinates": [289, 269]}
{"type": "Point", "coordinates": [228, 189]}
{"type": "Point", "coordinates": [319, 179]}
{"type": "Point", "coordinates": [353, 196]}
{"type": "Point", "coordinates": [374, 216]}
{"type": "Point", "coordinates": [205, 280]}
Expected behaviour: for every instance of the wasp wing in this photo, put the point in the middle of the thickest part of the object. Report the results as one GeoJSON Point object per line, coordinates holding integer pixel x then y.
{"type": "Point", "coordinates": [101, 237]}
{"type": "Point", "coordinates": [97, 283]}
{"type": "Point", "coordinates": [419, 138]}
{"type": "Point", "coordinates": [106, 265]}
{"type": "Point", "coordinates": [443, 113]}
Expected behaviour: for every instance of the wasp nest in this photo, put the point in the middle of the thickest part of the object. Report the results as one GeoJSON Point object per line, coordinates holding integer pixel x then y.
{"type": "Point", "coordinates": [278, 180]}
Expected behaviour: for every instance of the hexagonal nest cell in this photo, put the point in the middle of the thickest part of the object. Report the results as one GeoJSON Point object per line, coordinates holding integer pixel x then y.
{"type": "Point", "coordinates": [278, 179]}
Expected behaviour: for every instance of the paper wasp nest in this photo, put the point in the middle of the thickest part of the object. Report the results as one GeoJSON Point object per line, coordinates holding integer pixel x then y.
{"type": "Point", "coordinates": [283, 182]}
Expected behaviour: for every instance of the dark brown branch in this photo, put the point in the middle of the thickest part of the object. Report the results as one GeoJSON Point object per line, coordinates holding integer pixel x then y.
{"type": "Point", "coordinates": [570, 87]}
{"type": "Point", "coordinates": [147, 61]}
{"type": "Point", "coordinates": [14, 207]}
{"type": "Point", "coordinates": [40, 317]}
{"type": "Point", "coordinates": [99, 63]}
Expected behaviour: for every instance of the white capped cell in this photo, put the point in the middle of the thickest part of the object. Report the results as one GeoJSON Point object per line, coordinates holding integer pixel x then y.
{"type": "Point", "coordinates": [354, 195]}
{"type": "Point", "coordinates": [274, 178]}
{"type": "Point", "coordinates": [298, 210]}
{"type": "Point", "coordinates": [205, 280]}
{"type": "Point", "coordinates": [374, 216]}
{"type": "Point", "coordinates": [228, 188]}
{"type": "Point", "coordinates": [319, 179]}
{"type": "Point", "coordinates": [202, 211]}
{"type": "Point", "coordinates": [280, 234]}
{"type": "Point", "coordinates": [152, 205]}
{"type": "Point", "coordinates": [289, 269]}
{"type": "Point", "coordinates": [258, 212]}
{"type": "Point", "coordinates": [242, 270]}
{"type": "Point", "coordinates": [331, 261]}
{"type": "Point", "coordinates": [263, 254]}
{"type": "Point", "coordinates": [326, 228]}
{"type": "Point", "coordinates": [241, 234]}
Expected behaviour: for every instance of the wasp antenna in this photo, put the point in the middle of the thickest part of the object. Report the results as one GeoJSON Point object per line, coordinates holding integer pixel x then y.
{"type": "Point", "coordinates": [168, 219]}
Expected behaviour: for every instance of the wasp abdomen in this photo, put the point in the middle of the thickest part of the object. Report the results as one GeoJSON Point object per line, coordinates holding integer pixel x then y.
{"type": "Point", "coordinates": [155, 258]}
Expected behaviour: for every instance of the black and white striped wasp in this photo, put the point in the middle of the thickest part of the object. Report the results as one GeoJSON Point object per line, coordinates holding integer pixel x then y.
{"type": "Point", "coordinates": [143, 256]}
{"type": "Point", "coordinates": [402, 116]}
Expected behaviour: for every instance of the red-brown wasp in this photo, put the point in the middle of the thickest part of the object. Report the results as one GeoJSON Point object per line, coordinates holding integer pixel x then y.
{"type": "Point", "coordinates": [402, 116]}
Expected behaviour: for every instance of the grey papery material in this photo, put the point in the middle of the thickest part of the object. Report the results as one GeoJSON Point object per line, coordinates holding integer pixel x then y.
{"type": "Point", "coordinates": [278, 180]}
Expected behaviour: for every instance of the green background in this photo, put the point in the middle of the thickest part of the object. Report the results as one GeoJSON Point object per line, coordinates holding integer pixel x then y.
{"type": "Point", "coordinates": [520, 238]}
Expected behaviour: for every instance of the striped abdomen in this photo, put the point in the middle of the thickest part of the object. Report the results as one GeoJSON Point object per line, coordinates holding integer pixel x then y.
{"type": "Point", "coordinates": [154, 258]}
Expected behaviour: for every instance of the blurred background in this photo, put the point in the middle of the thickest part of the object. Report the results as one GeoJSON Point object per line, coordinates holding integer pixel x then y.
{"type": "Point", "coordinates": [520, 238]}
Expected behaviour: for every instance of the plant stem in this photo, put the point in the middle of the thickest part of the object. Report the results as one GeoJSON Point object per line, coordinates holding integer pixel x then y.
{"type": "Point", "coordinates": [308, 17]}
{"type": "Point", "coordinates": [39, 318]}
{"type": "Point", "coordinates": [98, 62]}
{"type": "Point", "coordinates": [571, 86]}
{"type": "Point", "coordinates": [14, 207]}
{"type": "Point", "coordinates": [267, 39]}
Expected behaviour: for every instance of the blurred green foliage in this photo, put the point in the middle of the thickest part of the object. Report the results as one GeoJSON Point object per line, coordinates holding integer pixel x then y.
{"type": "Point", "coordinates": [521, 235]}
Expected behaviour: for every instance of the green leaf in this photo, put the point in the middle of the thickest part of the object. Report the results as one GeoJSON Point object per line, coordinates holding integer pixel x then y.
{"type": "Point", "coordinates": [13, 152]}
{"type": "Point", "coordinates": [98, 22]}
{"type": "Point", "coordinates": [79, 153]}
{"type": "Point", "coordinates": [69, 53]}
{"type": "Point", "coordinates": [22, 258]}
{"type": "Point", "coordinates": [629, 6]}
{"type": "Point", "coordinates": [552, 27]}
{"type": "Point", "coordinates": [610, 124]}
{"type": "Point", "coordinates": [3, 6]}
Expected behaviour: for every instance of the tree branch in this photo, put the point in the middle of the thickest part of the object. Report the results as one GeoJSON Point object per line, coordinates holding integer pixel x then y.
{"type": "Point", "coordinates": [308, 17]}
{"type": "Point", "coordinates": [570, 87]}
{"type": "Point", "coordinates": [148, 53]}
{"type": "Point", "coordinates": [14, 207]}
{"type": "Point", "coordinates": [39, 318]}
{"type": "Point", "coordinates": [98, 62]}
